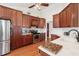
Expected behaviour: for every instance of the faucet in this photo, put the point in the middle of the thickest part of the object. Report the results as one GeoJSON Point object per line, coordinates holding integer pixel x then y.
{"type": "Point", "coordinates": [68, 33]}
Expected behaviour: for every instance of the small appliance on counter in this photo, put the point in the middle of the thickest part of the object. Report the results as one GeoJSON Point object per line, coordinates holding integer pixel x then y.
{"type": "Point", "coordinates": [34, 31]}
{"type": "Point", "coordinates": [4, 36]}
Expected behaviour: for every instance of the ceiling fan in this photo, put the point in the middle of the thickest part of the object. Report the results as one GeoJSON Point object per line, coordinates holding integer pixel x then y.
{"type": "Point", "coordinates": [38, 5]}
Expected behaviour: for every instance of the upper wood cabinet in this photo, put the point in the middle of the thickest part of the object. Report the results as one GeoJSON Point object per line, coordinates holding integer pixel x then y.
{"type": "Point", "coordinates": [42, 23]}
{"type": "Point", "coordinates": [62, 20]}
{"type": "Point", "coordinates": [19, 18]}
{"type": "Point", "coordinates": [68, 17]}
{"type": "Point", "coordinates": [75, 14]}
{"type": "Point", "coordinates": [5, 12]}
{"type": "Point", "coordinates": [14, 17]}
{"type": "Point", "coordinates": [29, 21]}
{"type": "Point", "coordinates": [56, 21]}
{"type": "Point", "coordinates": [26, 21]}
{"type": "Point", "coordinates": [35, 21]}
{"type": "Point", "coordinates": [78, 14]}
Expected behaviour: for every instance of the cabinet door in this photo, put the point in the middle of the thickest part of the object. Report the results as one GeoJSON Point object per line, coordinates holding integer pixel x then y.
{"type": "Point", "coordinates": [27, 39]}
{"type": "Point", "coordinates": [5, 12]}
{"type": "Point", "coordinates": [64, 19]}
{"type": "Point", "coordinates": [35, 21]}
{"type": "Point", "coordinates": [42, 23]}
{"type": "Point", "coordinates": [16, 37]}
{"type": "Point", "coordinates": [72, 15]}
{"type": "Point", "coordinates": [63, 22]}
{"type": "Point", "coordinates": [78, 14]}
{"type": "Point", "coordinates": [26, 21]}
{"type": "Point", "coordinates": [60, 21]}
{"type": "Point", "coordinates": [75, 14]}
{"type": "Point", "coordinates": [19, 18]}
{"type": "Point", "coordinates": [1, 11]}
{"type": "Point", "coordinates": [56, 21]}
{"type": "Point", "coordinates": [69, 16]}
{"type": "Point", "coordinates": [14, 17]}
{"type": "Point", "coordinates": [12, 42]}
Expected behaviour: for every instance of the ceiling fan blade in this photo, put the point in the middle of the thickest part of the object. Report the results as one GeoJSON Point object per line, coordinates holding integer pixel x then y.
{"type": "Point", "coordinates": [45, 4]}
{"type": "Point", "coordinates": [31, 6]}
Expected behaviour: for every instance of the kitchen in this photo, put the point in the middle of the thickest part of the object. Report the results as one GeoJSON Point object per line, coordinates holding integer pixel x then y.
{"type": "Point", "coordinates": [30, 26]}
{"type": "Point", "coordinates": [20, 23]}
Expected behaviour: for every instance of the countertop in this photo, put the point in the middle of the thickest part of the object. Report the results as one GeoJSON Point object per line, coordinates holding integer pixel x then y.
{"type": "Point", "coordinates": [70, 47]}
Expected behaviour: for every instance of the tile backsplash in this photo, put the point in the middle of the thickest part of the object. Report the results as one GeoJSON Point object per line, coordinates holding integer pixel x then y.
{"type": "Point", "coordinates": [40, 30]}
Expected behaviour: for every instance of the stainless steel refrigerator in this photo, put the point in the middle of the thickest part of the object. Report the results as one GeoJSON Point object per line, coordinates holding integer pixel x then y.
{"type": "Point", "coordinates": [4, 36]}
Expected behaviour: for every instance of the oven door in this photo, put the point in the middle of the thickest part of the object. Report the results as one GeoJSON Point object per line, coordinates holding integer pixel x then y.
{"type": "Point", "coordinates": [36, 38]}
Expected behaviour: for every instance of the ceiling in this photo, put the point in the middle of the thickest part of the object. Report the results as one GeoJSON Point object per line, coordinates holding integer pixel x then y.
{"type": "Point", "coordinates": [18, 4]}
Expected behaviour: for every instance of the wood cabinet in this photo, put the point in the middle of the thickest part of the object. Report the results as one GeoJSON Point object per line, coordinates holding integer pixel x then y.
{"type": "Point", "coordinates": [68, 17]}
{"type": "Point", "coordinates": [18, 40]}
{"type": "Point", "coordinates": [26, 21]}
{"type": "Point", "coordinates": [56, 21]}
{"type": "Point", "coordinates": [16, 24]}
{"type": "Point", "coordinates": [14, 17]}
{"type": "Point", "coordinates": [5, 13]}
{"type": "Point", "coordinates": [42, 23]}
{"type": "Point", "coordinates": [35, 21]}
{"type": "Point", "coordinates": [78, 14]}
{"type": "Point", "coordinates": [27, 39]}
{"type": "Point", "coordinates": [19, 18]}
{"type": "Point", "coordinates": [62, 20]}
{"type": "Point", "coordinates": [54, 36]}
{"type": "Point", "coordinates": [16, 37]}
{"type": "Point", "coordinates": [29, 21]}
{"type": "Point", "coordinates": [75, 14]}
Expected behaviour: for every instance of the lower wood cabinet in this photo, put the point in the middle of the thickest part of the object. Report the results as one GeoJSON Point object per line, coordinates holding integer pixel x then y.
{"type": "Point", "coordinates": [15, 37]}
{"type": "Point", "coordinates": [54, 36]}
{"type": "Point", "coordinates": [20, 40]}
{"type": "Point", "coordinates": [27, 39]}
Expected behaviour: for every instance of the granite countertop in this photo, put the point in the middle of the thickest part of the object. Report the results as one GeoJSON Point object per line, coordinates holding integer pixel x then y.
{"type": "Point", "coordinates": [70, 47]}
